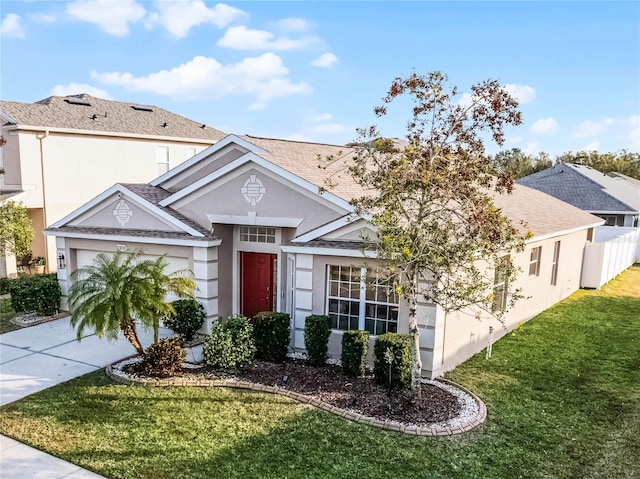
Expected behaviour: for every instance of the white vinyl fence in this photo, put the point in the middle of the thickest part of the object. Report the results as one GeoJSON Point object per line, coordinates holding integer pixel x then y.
{"type": "Point", "coordinates": [614, 249]}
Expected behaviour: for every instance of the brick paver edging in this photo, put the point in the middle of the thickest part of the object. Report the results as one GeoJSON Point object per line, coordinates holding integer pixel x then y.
{"type": "Point", "coordinates": [460, 428]}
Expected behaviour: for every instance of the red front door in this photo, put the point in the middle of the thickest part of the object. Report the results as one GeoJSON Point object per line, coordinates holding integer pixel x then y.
{"type": "Point", "coordinates": [257, 283]}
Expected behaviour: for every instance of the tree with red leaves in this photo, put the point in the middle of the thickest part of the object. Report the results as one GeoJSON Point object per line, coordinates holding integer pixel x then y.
{"type": "Point", "coordinates": [432, 207]}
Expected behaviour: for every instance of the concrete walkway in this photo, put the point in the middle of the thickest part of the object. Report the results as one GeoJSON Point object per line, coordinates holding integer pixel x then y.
{"type": "Point", "coordinates": [41, 356]}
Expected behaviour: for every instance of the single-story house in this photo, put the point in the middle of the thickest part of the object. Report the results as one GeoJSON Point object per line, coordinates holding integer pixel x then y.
{"type": "Point", "coordinates": [248, 217]}
{"type": "Point", "coordinates": [614, 198]}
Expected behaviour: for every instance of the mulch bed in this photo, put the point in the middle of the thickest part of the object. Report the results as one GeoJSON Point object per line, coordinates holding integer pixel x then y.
{"type": "Point", "coordinates": [329, 384]}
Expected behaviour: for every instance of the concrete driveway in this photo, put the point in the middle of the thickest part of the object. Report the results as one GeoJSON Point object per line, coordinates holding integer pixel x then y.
{"type": "Point", "coordinates": [41, 356]}
{"type": "Point", "coordinates": [38, 357]}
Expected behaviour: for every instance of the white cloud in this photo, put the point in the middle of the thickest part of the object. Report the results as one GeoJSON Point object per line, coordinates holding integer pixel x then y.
{"type": "Point", "coordinates": [243, 38]}
{"type": "Point", "coordinates": [178, 17]}
{"type": "Point", "coordinates": [291, 25]}
{"type": "Point", "coordinates": [515, 140]}
{"type": "Point", "coordinates": [42, 18]}
{"type": "Point", "coordinates": [589, 128]}
{"type": "Point", "coordinates": [11, 26]}
{"type": "Point", "coordinates": [325, 60]}
{"type": "Point", "coordinates": [77, 88]}
{"type": "Point", "coordinates": [545, 126]}
{"type": "Point", "coordinates": [531, 148]}
{"type": "Point", "coordinates": [466, 100]}
{"type": "Point", "coordinates": [112, 17]}
{"type": "Point", "coordinates": [522, 93]}
{"type": "Point", "coordinates": [593, 146]}
{"type": "Point", "coordinates": [264, 77]}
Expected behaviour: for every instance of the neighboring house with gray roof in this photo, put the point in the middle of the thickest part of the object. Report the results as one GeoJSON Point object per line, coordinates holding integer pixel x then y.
{"type": "Point", "coordinates": [612, 198]}
{"type": "Point", "coordinates": [62, 151]}
{"type": "Point", "coordinates": [250, 218]}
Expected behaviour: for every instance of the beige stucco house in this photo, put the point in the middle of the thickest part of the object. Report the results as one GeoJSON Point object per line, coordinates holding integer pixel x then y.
{"type": "Point", "coordinates": [62, 151]}
{"type": "Point", "coordinates": [246, 216]}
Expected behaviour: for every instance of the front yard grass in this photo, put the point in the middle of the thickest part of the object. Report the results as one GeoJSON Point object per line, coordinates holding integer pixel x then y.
{"type": "Point", "coordinates": [6, 314]}
{"type": "Point", "coordinates": [562, 392]}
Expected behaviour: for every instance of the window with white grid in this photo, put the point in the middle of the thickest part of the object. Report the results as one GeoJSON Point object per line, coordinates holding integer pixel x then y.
{"type": "Point", "coordinates": [358, 298]}
{"type": "Point", "coordinates": [258, 234]}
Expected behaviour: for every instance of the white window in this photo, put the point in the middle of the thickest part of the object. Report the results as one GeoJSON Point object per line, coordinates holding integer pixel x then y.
{"type": "Point", "coordinates": [162, 159]}
{"type": "Point", "coordinates": [501, 284]}
{"type": "Point", "coordinates": [554, 264]}
{"type": "Point", "coordinates": [358, 298]}
{"type": "Point", "coordinates": [258, 234]}
{"type": "Point", "coordinates": [534, 261]}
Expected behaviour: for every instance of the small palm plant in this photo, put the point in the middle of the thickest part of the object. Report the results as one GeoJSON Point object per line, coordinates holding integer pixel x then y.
{"type": "Point", "coordinates": [121, 289]}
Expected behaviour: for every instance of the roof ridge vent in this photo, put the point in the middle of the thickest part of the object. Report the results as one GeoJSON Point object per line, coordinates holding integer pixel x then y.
{"type": "Point", "coordinates": [141, 108]}
{"type": "Point", "coordinates": [74, 100]}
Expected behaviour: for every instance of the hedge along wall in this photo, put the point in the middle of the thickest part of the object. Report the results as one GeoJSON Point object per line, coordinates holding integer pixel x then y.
{"type": "Point", "coordinates": [40, 294]}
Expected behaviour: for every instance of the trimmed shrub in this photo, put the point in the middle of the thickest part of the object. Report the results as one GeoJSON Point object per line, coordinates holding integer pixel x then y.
{"type": "Point", "coordinates": [230, 344]}
{"type": "Point", "coordinates": [316, 338]}
{"type": "Point", "coordinates": [39, 293]}
{"type": "Point", "coordinates": [187, 318]}
{"type": "Point", "coordinates": [162, 359]}
{"type": "Point", "coordinates": [355, 345]}
{"type": "Point", "coordinates": [392, 360]}
{"type": "Point", "coordinates": [272, 334]}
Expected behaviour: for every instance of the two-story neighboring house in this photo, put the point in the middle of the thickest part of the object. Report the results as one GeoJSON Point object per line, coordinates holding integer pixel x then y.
{"type": "Point", "coordinates": [62, 151]}
{"type": "Point", "coordinates": [614, 198]}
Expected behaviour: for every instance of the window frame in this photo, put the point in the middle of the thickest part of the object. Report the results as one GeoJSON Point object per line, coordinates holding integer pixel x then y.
{"type": "Point", "coordinates": [535, 260]}
{"type": "Point", "coordinates": [554, 263]}
{"type": "Point", "coordinates": [162, 160]}
{"type": "Point", "coordinates": [257, 234]}
{"type": "Point", "coordinates": [361, 309]}
{"type": "Point", "coordinates": [501, 283]}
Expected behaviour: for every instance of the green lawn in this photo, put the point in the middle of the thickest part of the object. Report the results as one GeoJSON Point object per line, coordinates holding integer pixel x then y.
{"type": "Point", "coordinates": [6, 313]}
{"type": "Point", "coordinates": [562, 392]}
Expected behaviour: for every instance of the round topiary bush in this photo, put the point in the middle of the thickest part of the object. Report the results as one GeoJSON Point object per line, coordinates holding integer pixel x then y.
{"type": "Point", "coordinates": [187, 319]}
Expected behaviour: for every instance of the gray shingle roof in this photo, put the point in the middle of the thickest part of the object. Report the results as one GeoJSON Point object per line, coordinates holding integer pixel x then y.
{"type": "Point", "coordinates": [155, 194]}
{"type": "Point", "coordinates": [95, 231]}
{"type": "Point", "coordinates": [524, 204]}
{"type": "Point", "coordinates": [585, 188]}
{"type": "Point", "coordinates": [106, 116]}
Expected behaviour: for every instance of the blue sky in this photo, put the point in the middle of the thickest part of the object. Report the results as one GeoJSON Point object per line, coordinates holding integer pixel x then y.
{"type": "Point", "coordinates": [315, 70]}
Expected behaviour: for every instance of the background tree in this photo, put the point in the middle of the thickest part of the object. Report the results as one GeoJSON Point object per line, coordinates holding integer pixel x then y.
{"type": "Point", "coordinates": [518, 164]}
{"type": "Point", "coordinates": [623, 161]}
{"type": "Point", "coordinates": [16, 231]}
{"type": "Point", "coordinates": [115, 292]}
{"type": "Point", "coordinates": [431, 198]}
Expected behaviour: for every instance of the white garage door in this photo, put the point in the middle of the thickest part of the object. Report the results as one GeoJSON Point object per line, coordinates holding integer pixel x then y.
{"type": "Point", "coordinates": [85, 258]}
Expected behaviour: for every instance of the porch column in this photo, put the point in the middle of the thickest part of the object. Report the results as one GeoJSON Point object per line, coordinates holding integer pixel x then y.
{"type": "Point", "coordinates": [205, 269]}
{"type": "Point", "coordinates": [303, 296]}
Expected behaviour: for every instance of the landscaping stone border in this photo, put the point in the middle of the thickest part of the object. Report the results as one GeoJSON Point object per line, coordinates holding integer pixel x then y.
{"type": "Point", "coordinates": [460, 428]}
{"type": "Point", "coordinates": [31, 319]}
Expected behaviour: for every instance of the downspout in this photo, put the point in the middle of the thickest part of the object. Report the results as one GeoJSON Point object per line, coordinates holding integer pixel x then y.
{"type": "Point", "coordinates": [41, 137]}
